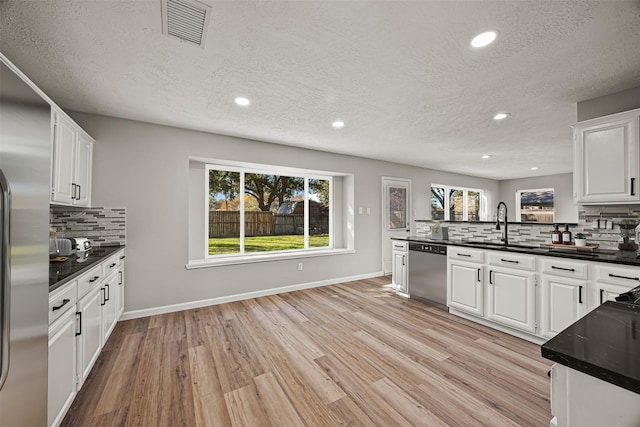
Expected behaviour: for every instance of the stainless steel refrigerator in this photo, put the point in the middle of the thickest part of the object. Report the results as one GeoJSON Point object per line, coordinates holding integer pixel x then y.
{"type": "Point", "coordinates": [25, 132]}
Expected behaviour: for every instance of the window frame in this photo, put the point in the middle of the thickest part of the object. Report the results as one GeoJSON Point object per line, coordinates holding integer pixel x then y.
{"type": "Point", "coordinates": [269, 170]}
{"type": "Point", "coordinates": [482, 195]}
{"type": "Point", "coordinates": [533, 190]}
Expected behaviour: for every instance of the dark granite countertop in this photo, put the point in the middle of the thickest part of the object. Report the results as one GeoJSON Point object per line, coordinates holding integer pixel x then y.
{"type": "Point", "coordinates": [599, 255]}
{"type": "Point", "coordinates": [604, 344]}
{"type": "Point", "coordinates": [62, 272]}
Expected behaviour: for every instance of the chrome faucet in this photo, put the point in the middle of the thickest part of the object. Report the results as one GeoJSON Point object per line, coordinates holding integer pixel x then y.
{"type": "Point", "coordinates": [505, 239]}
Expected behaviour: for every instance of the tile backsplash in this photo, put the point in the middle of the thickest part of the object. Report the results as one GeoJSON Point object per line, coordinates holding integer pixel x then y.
{"type": "Point", "coordinates": [103, 226]}
{"type": "Point", "coordinates": [606, 236]}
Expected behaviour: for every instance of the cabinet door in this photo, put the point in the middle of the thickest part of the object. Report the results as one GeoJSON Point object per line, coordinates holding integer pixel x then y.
{"type": "Point", "coordinates": [84, 155]}
{"type": "Point", "coordinates": [512, 298]}
{"type": "Point", "coordinates": [120, 293]}
{"type": "Point", "coordinates": [465, 288]}
{"type": "Point", "coordinates": [62, 367]}
{"type": "Point", "coordinates": [89, 340]}
{"type": "Point", "coordinates": [399, 271]}
{"type": "Point", "coordinates": [63, 162]}
{"type": "Point", "coordinates": [603, 292]}
{"type": "Point", "coordinates": [606, 160]}
{"type": "Point", "coordinates": [563, 302]}
{"type": "Point", "coordinates": [108, 306]}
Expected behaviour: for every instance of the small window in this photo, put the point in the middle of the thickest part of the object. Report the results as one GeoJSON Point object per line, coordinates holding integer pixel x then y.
{"type": "Point", "coordinates": [456, 203]}
{"type": "Point", "coordinates": [535, 205]}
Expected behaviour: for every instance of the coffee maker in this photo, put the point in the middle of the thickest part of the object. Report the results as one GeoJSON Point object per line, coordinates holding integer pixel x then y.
{"type": "Point", "coordinates": [627, 246]}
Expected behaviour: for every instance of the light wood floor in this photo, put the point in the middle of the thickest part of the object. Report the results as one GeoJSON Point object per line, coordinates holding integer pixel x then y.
{"type": "Point", "coordinates": [349, 354]}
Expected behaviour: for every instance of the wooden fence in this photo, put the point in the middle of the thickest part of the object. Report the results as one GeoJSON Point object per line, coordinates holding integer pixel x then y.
{"type": "Point", "coordinates": [256, 223]}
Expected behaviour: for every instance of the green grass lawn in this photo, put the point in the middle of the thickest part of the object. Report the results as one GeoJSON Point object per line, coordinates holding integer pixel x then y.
{"type": "Point", "coordinates": [230, 245]}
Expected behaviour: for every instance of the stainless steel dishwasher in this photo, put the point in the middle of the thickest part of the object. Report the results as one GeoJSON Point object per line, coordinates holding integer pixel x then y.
{"type": "Point", "coordinates": [428, 273]}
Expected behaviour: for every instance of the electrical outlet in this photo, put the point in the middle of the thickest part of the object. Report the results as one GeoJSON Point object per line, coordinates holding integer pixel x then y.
{"type": "Point", "coordinates": [360, 210]}
{"type": "Point", "coordinates": [299, 266]}
{"type": "Point", "coordinates": [368, 211]}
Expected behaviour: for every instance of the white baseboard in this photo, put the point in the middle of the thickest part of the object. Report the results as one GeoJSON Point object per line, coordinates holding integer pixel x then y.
{"type": "Point", "coordinates": [135, 314]}
{"type": "Point", "coordinates": [520, 334]}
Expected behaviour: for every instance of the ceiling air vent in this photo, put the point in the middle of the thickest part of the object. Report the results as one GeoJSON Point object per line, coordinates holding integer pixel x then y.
{"type": "Point", "coordinates": [186, 20]}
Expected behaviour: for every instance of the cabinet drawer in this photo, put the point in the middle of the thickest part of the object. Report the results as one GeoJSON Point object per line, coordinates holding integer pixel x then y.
{"type": "Point", "coordinates": [61, 300]}
{"type": "Point", "coordinates": [89, 280]}
{"type": "Point", "coordinates": [465, 254]}
{"type": "Point", "coordinates": [576, 270]}
{"type": "Point", "coordinates": [110, 266]}
{"type": "Point", "coordinates": [120, 257]}
{"type": "Point", "coordinates": [512, 260]}
{"type": "Point", "coordinates": [618, 276]}
{"type": "Point", "coordinates": [396, 245]}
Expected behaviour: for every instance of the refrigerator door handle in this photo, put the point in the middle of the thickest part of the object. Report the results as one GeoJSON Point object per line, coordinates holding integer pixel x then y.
{"type": "Point", "coordinates": [5, 276]}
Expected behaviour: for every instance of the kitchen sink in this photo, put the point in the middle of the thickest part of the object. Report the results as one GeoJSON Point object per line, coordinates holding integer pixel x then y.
{"type": "Point", "coordinates": [501, 245]}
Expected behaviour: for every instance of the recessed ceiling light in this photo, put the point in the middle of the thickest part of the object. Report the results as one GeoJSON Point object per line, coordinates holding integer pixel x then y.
{"type": "Point", "coordinates": [242, 101]}
{"type": "Point", "coordinates": [338, 124]}
{"type": "Point", "coordinates": [486, 156]}
{"type": "Point", "coordinates": [483, 39]}
{"type": "Point", "coordinates": [535, 168]}
{"type": "Point", "coordinates": [501, 116]}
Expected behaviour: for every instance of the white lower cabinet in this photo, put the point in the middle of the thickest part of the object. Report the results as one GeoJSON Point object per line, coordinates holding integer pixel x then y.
{"type": "Point", "coordinates": [62, 363]}
{"type": "Point", "coordinates": [511, 298]}
{"type": "Point", "coordinates": [82, 315]}
{"type": "Point", "coordinates": [465, 287]}
{"type": "Point", "coordinates": [580, 400]}
{"type": "Point", "coordinates": [89, 332]}
{"type": "Point", "coordinates": [399, 270]}
{"type": "Point", "coordinates": [563, 302]}
{"type": "Point", "coordinates": [109, 292]}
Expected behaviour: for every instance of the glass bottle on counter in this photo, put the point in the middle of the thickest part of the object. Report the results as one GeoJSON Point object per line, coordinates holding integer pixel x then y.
{"type": "Point", "coordinates": [556, 235]}
{"type": "Point", "coordinates": [566, 235]}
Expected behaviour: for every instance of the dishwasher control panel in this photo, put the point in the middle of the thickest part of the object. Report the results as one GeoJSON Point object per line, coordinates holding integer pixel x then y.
{"type": "Point", "coordinates": [429, 248]}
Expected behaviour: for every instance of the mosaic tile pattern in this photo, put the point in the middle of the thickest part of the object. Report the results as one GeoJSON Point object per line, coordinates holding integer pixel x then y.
{"type": "Point", "coordinates": [103, 226]}
{"type": "Point", "coordinates": [606, 236]}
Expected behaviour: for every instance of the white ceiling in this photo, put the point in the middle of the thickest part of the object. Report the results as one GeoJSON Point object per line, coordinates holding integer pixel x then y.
{"type": "Point", "coordinates": [401, 74]}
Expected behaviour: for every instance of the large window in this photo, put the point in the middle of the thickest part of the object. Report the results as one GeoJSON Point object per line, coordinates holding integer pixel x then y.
{"type": "Point", "coordinates": [258, 211]}
{"type": "Point", "coordinates": [456, 203]}
{"type": "Point", "coordinates": [535, 205]}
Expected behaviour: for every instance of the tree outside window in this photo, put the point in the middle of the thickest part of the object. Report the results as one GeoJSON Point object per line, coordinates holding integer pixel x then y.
{"type": "Point", "coordinates": [261, 212]}
{"type": "Point", "coordinates": [456, 203]}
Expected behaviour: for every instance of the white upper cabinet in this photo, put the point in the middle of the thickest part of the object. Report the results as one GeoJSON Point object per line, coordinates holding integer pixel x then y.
{"type": "Point", "coordinates": [72, 158]}
{"type": "Point", "coordinates": [606, 159]}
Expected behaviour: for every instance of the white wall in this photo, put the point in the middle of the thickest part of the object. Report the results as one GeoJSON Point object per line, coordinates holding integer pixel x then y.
{"type": "Point", "coordinates": [565, 209]}
{"type": "Point", "coordinates": [145, 167]}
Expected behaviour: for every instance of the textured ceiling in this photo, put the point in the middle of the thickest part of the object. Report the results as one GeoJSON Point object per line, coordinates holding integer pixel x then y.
{"type": "Point", "coordinates": [401, 74]}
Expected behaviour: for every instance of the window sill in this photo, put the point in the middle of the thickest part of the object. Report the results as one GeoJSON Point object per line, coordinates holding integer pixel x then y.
{"type": "Point", "coordinates": [250, 259]}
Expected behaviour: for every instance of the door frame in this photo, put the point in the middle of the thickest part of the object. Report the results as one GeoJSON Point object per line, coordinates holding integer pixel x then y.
{"type": "Point", "coordinates": [383, 225]}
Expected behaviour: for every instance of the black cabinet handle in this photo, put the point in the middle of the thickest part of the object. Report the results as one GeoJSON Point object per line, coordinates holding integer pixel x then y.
{"type": "Point", "coordinates": [74, 187]}
{"type": "Point", "coordinates": [108, 293]}
{"type": "Point", "coordinates": [623, 277]}
{"type": "Point", "coordinates": [562, 268]}
{"type": "Point", "coordinates": [122, 257]}
{"type": "Point", "coordinates": [79, 191]}
{"type": "Point", "coordinates": [467, 255]}
{"type": "Point", "coordinates": [601, 294]}
{"type": "Point", "coordinates": [509, 260]}
{"type": "Point", "coordinates": [478, 275]}
{"type": "Point", "coordinates": [112, 265]}
{"type": "Point", "coordinates": [104, 299]}
{"type": "Point", "coordinates": [58, 307]}
{"type": "Point", "coordinates": [120, 282]}
{"type": "Point", "coordinates": [94, 279]}
{"type": "Point", "coordinates": [490, 278]}
{"type": "Point", "coordinates": [79, 314]}
{"type": "Point", "coordinates": [633, 190]}
{"type": "Point", "coordinates": [580, 294]}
